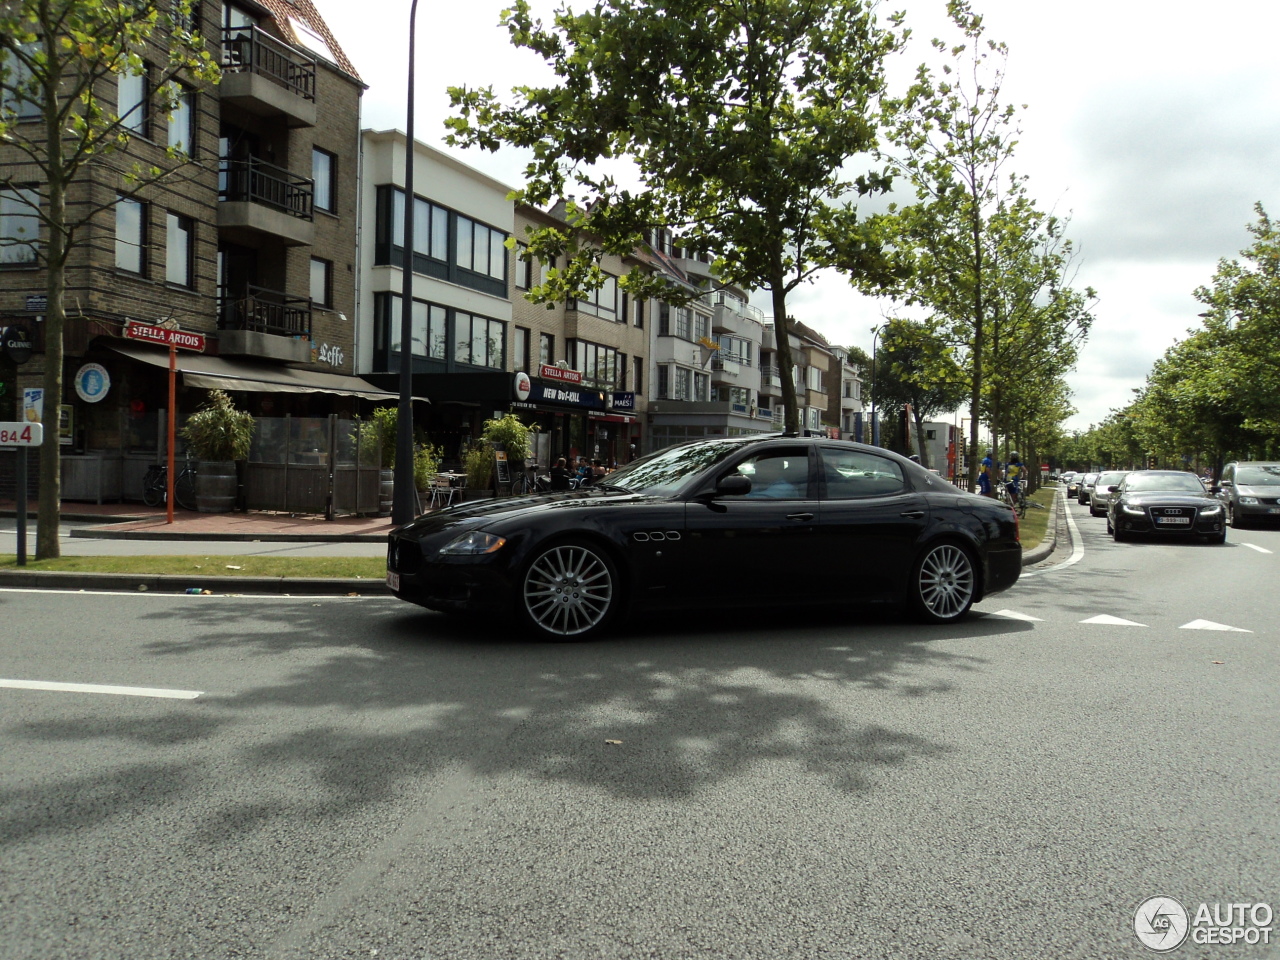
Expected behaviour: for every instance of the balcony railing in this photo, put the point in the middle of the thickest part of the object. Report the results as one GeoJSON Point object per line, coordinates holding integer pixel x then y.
{"type": "Point", "coordinates": [257, 181]}
{"type": "Point", "coordinates": [718, 361]}
{"type": "Point", "coordinates": [266, 311]}
{"type": "Point", "coordinates": [250, 50]}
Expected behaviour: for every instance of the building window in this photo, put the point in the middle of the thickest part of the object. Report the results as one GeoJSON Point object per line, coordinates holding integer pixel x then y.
{"type": "Point", "coordinates": [430, 228]}
{"type": "Point", "coordinates": [524, 267]}
{"type": "Point", "coordinates": [131, 235]}
{"type": "Point", "coordinates": [639, 314]}
{"type": "Point", "coordinates": [546, 348]}
{"type": "Point", "coordinates": [683, 324]}
{"type": "Point", "coordinates": [19, 226]}
{"type": "Point", "coordinates": [701, 386]}
{"type": "Point", "coordinates": [20, 95]}
{"type": "Point", "coordinates": [637, 377]}
{"type": "Point", "coordinates": [479, 341]}
{"type": "Point", "coordinates": [664, 381]}
{"type": "Point", "coordinates": [683, 383]}
{"type": "Point", "coordinates": [324, 171]}
{"type": "Point", "coordinates": [132, 103]}
{"type": "Point", "coordinates": [598, 364]}
{"type": "Point", "coordinates": [427, 330]}
{"type": "Point", "coordinates": [602, 302]}
{"type": "Point", "coordinates": [701, 326]}
{"type": "Point", "coordinates": [481, 249]}
{"type": "Point", "coordinates": [520, 349]}
{"type": "Point", "coordinates": [178, 249]}
{"type": "Point", "coordinates": [182, 122]}
{"type": "Point", "coordinates": [321, 283]}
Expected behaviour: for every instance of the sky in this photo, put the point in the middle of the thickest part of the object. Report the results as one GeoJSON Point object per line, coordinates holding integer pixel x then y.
{"type": "Point", "coordinates": [1152, 126]}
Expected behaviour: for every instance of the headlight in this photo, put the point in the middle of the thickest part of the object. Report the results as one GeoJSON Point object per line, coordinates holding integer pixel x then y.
{"type": "Point", "coordinates": [1135, 511]}
{"type": "Point", "coordinates": [472, 544]}
{"type": "Point", "coordinates": [1252, 501]}
{"type": "Point", "coordinates": [1211, 510]}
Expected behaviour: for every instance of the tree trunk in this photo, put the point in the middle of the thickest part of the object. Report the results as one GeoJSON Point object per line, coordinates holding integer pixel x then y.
{"type": "Point", "coordinates": [49, 515]}
{"type": "Point", "coordinates": [790, 409]}
{"type": "Point", "coordinates": [920, 444]}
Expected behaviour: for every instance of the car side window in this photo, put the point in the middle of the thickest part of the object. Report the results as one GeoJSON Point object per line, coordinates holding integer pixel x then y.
{"type": "Point", "coordinates": [851, 474]}
{"type": "Point", "coordinates": [777, 475]}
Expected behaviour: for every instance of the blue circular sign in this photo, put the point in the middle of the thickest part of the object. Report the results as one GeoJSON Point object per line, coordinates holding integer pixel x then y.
{"type": "Point", "coordinates": [92, 382]}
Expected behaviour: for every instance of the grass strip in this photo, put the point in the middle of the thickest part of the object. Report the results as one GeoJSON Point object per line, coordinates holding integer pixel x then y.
{"type": "Point", "coordinates": [346, 568]}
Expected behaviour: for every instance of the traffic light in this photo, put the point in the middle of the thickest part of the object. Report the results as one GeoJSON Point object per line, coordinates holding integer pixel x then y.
{"type": "Point", "coordinates": [1152, 463]}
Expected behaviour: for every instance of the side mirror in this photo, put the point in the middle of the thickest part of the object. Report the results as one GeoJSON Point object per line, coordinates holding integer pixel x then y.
{"type": "Point", "coordinates": [1215, 488]}
{"type": "Point", "coordinates": [734, 485]}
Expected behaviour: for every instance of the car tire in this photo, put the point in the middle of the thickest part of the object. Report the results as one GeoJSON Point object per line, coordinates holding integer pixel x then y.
{"type": "Point", "coordinates": [1110, 529]}
{"type": "Point", "coordinates": [944, 582]}
{"type": "Point", "coordinates": [1118, 535]}
{"type": "Point", "coordinates": [1093, 511]}
{"type": "Point", "coordinates": [1234, 518]}
{"type": "Point", "coordinates": [568, 590]}
{"type": "Point", "coordinates": [1219, 539]}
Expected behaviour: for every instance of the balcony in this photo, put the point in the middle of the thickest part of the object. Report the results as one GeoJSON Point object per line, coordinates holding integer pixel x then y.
{"type": "Point", "coordinates": [770, 382]}
{"type": "Point", "coordinates": [268, 78]}
{"type": "Point", "coordinates": [265, 323]}
{"type": "Point", "coordinates": [260, 200]}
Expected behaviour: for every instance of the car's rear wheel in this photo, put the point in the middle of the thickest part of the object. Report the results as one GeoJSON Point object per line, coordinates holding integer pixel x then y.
{"type": "Point", "coordinates": [569, 591]}
{"type": "Point", "coordinates": [943, 583]}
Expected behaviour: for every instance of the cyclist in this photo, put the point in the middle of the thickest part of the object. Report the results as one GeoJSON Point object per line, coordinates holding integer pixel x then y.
{"type": "Point", "coordinates": [1015, 476]}
{"type": "Point", "coordinates": [984, 475]}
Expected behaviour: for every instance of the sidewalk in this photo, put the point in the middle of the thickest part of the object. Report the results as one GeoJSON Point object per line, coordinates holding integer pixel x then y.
{"type": "Point", "coordinates": [136, 521]}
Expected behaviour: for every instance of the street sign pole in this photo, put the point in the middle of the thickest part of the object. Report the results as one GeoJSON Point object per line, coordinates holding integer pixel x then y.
{"type": "Point", "coordinates": [21, 435]}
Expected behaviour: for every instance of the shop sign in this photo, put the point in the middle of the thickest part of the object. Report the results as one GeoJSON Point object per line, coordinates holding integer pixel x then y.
{"type": "Point", "coordinates": [182, 339]}
{"type": "Point", "coordinates": [21, 434]}
{"type": "Point", "coordinates": [550, 393]}
{"type": "Point", "coordinates": [17, 344]}
{"type": "Point", "coordinates": [550, 372]}
{"type": "Point", "coordinates": [92, 382]}
{"type": "Point", "coordinates": [624, 401]}
{"type": "Point", "coordinates": [33, 404]}
{"type": "Point", "coordinates": [524, 386]}
{"type": "Point", "coordinates": [37, 302]}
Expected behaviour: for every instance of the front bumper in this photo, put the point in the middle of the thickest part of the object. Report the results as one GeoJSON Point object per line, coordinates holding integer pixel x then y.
{"type": "Point", "coordinates": [461, 584]}
{"type": "Point", "coordinates": [1170, 521]}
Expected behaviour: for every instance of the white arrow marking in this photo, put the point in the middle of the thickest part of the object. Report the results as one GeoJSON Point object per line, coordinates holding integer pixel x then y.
{"type": "Point", "coordinates": [1014, 615]}
{"type": "Point", "coordinates": [1113, 621]}
{"type": "Point", "coordinates": [101, 688]}
{"type": "Point", "coordinates": [1210, 625]}
{"type": "Point", "coordinates": [1254, 546]}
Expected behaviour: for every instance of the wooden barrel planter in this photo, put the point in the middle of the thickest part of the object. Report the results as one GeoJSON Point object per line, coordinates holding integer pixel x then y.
{"type": "Point", "coordinates": [216, 486]}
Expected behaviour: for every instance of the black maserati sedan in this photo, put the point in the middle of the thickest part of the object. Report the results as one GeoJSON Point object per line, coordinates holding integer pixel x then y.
{"type": "Point", "coordinates": [1165, 503]}
{"type": "Point", "coordinates": [729, 522]}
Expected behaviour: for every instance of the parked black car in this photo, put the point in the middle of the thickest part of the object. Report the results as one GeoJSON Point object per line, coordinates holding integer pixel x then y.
{"type": "Point", "coordinates": [730, 522]}
{"type": "Point", "coordinates": [1165, 503]}
{"type": "Point", "coordinates": [1250, 490]}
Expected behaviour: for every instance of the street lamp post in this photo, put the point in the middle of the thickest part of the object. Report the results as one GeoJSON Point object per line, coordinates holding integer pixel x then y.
{"type": "Point", "coordinates": [875, 424]}
{"type": "Point", "coordinates": [402, 509]}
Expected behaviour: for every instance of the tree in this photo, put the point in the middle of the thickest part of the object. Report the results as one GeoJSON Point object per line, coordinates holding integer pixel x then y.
{"type": "Point", "coordinates": [955, 137]}
{"type": "Point", "coordinates": [916, 367]}
{"type": "Point", "coordinates": [734, 120]}
{"type": "Point", "coordinates": [60, 119]}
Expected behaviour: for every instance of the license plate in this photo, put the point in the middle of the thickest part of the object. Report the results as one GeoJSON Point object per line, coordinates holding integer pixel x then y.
{"type": "Point", "coordinates": [1173, 519]}
{"type": "Point", "coordinates": [393, 580]}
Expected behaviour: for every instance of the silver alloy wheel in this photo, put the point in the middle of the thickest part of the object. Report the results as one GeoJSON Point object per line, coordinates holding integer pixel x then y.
{"type": "Point", "coordinates": [568, 590]}
{"type": "Point", "coordinates": [945, 582]}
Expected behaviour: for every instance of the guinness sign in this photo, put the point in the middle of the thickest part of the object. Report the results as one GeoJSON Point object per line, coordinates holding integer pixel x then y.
{"type": "Point", "coordinates": [17, 344]}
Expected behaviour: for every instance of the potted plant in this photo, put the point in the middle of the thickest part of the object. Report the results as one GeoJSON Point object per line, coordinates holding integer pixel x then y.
{"type": "Point", "coordinates": [217, 436]}
{"type": "Point", "coordinates": [478, 464]}
{"type": "Point", "coordinates": [378, 444]}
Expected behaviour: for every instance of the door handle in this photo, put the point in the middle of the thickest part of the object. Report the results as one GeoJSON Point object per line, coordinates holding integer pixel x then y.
{"type": "Point", "coordinates": [799, 516]}
{"type": "Point", "coordinates": [912, 514]}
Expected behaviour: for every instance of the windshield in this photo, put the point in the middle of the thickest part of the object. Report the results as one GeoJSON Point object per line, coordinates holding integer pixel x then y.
{"type": "Point", "coordinates": [1110, 479]}
{"type": "Point", "coordinates": [664, 472]}
{"type": "Point", "coordinates": [1260, 476]}
{"type": "Point", "coordinates": [1171, 482]}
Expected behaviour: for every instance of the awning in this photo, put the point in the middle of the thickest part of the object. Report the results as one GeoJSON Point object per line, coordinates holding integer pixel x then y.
{"type": "Point", "coordinates": [221, 373]}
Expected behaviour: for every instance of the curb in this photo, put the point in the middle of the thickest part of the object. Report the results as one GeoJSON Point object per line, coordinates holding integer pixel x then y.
{"type": "Point", "coordinates": [170, 583]}
{"type": "Point", "coordinates": [97, 533]}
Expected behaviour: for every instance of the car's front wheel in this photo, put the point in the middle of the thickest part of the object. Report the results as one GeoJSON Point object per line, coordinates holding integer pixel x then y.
{"type": "Point", "coordinates": [569, 591]}
{"type": "Point", "coordinates": [1234, 518]}
{"type": "Point", "coordinates": [943, 583]}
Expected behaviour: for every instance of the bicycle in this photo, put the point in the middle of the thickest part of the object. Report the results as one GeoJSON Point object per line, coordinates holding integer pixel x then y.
{"type": "Point", "coordinates": [155, 486]}
{"type": "Point", "coordinates": [1016, 500]}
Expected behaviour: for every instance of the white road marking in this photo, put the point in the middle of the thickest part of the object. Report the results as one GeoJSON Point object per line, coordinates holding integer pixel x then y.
{"type": "Point", "coordinates": [1254, 546]}
{"type": "Point", "coordinates": [1077, 543]}
{"type": "Point", "coordinates": [1014, 615]}
{"type": "Point", "coordinates": [291, 597]}
{"type": "Point", "coordinates": [1112, 621]}
{"type": "Point", "coordinates": [101, 688]}
{"type": "Point", "coordinates": [1210, 625]}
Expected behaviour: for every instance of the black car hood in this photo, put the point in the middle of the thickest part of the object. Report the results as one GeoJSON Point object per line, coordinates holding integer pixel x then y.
{"type": "Point", "coordinates": [478, 513]}
{"type": "Point", "coordinates": [1166, 499]}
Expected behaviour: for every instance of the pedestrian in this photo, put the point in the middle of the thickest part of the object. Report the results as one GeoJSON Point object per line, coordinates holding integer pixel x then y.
{"type": "Point", "coordinates": [561, 475]}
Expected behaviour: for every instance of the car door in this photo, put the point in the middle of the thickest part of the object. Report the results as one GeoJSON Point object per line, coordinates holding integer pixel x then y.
{"type": "Point", "coordinates": [871, 522]}
{"type": "Point", "coordinates": [756, 547]}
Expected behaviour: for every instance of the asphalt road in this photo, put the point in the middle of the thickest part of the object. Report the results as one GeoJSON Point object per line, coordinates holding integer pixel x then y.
{"type": "Point", "coordinates": [359, 778]}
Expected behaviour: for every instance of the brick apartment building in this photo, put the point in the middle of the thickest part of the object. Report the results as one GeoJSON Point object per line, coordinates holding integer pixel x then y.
{"type": "Point", "coordinates": [252, 244]}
